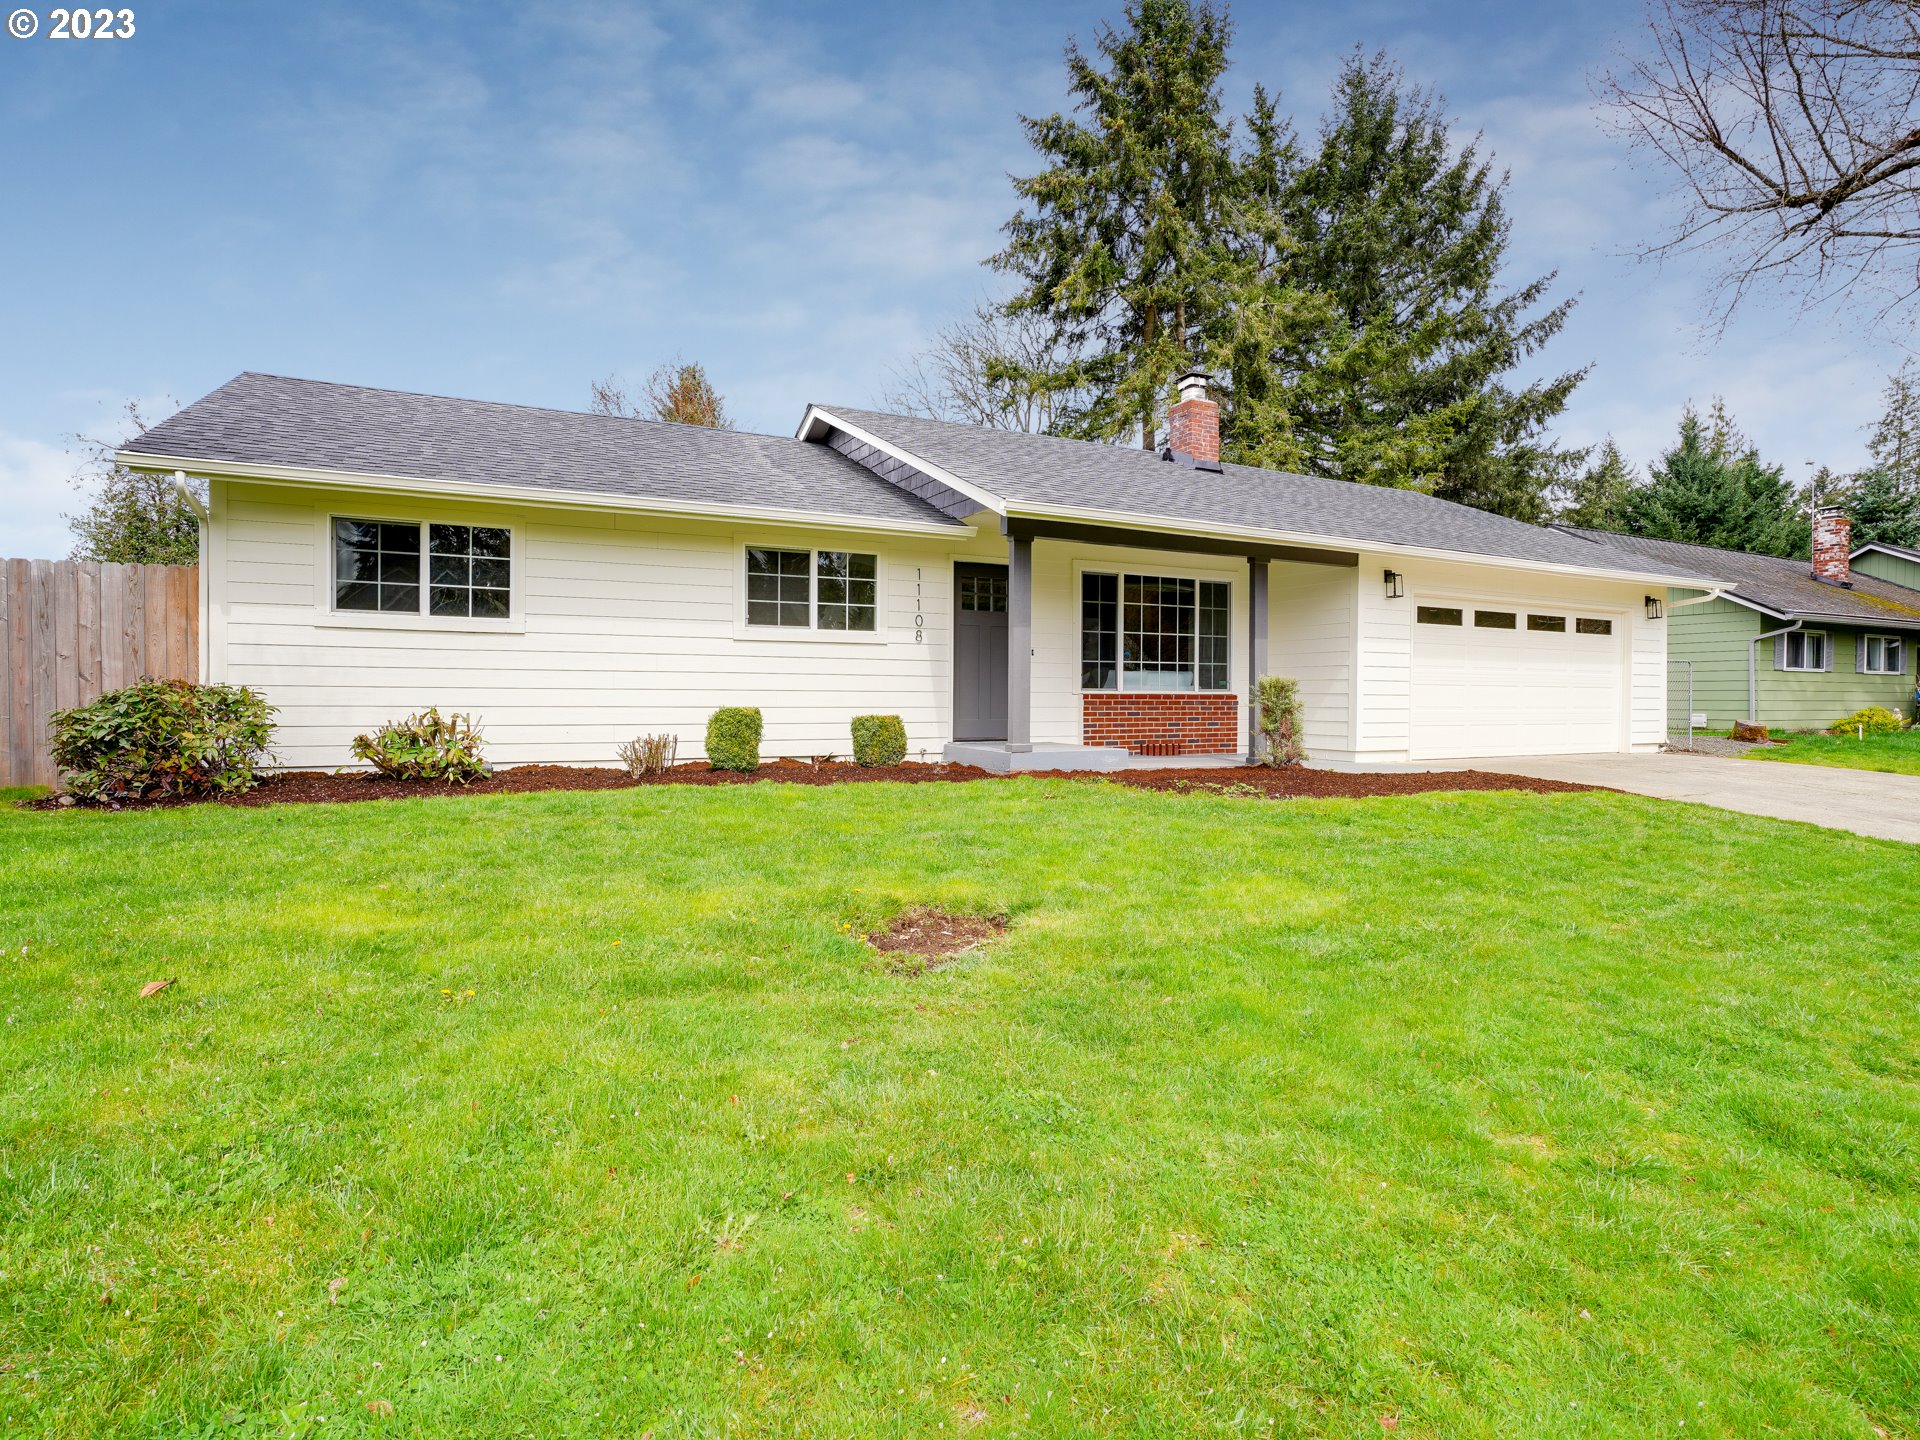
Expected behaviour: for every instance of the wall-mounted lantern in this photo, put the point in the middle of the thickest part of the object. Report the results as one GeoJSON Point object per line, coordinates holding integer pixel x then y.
{"type": "Point", "coordinates": [1396, 585]}
{"type": "Point", "coordinates": [1654, 608]}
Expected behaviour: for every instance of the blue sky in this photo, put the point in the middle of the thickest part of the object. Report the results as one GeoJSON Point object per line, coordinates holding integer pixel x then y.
{"type": "Point", "coordinates": [508, 201]}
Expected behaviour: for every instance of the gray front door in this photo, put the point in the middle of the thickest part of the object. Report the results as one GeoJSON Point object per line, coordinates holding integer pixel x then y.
{"type": "Point", "coordinates": [979, 652]}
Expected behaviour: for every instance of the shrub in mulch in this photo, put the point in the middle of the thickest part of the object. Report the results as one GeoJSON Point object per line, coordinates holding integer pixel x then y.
{"type": "Point", "coordinates": [926, 937]}
{"type": "Point", "coordinates": [311, 786]}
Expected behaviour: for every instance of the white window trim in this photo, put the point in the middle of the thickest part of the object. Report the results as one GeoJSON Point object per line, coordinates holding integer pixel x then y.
{"type": "Point", "coordinates": [810, 633]}
{"type": "Point", "coordinates": [328, 617]}
{"type": "Point", "coordinates": [1826, 649]}
{"type": "Point", "coordinates": [1885, 641]}
{"type": "Point", "coordinates": [1083, 569]}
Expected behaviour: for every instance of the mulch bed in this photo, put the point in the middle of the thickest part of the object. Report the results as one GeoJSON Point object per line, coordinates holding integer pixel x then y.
{"type": "Point", "coordinates": [927, 937]}
{"type": "Point", "coordinates": [309, 786]}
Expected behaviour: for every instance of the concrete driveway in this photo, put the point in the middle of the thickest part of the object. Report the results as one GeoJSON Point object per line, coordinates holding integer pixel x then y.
{"type": "Point", "coordinates": [1863, 801]}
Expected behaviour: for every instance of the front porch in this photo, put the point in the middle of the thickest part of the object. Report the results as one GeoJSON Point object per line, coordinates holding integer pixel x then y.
{"type": "Point", "coordinates": [1141, 660]}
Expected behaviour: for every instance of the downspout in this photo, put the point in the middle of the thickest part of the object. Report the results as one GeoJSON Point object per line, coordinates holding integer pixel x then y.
{"type": "Point", "coordinates": [1753, 672]}
{"type": "Point", "coordinates": [185, 492]}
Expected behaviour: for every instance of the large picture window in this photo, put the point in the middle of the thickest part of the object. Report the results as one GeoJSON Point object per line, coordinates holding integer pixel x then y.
{"type": "Point", "coordinates": [813, 589]}
{"type": "Point", "coordinates": [380, 566]}
{"type": "Point", "coordinates": [1153, 633]}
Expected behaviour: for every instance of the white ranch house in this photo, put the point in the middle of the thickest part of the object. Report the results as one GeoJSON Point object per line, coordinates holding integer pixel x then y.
{"type": "Point", "coordinates": [1020, 601]}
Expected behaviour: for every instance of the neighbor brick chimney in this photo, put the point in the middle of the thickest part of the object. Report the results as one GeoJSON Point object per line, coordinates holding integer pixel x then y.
{"type": "Point", "coordinates": [1193, 424]}
{"type": "Point", "coordinates": [1832, 545]}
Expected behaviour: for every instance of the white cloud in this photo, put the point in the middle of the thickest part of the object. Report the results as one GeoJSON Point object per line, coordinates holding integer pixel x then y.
{"type": "Point", "coordinates": [35, 487]}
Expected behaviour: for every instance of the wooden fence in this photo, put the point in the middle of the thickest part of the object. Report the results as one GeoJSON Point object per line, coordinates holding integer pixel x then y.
{"type": "Point", "coordinates": [71, 629]}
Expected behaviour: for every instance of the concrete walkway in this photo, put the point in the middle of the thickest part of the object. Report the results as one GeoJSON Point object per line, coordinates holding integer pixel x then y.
{"type": "Point", "coordinates": [1863, 801]}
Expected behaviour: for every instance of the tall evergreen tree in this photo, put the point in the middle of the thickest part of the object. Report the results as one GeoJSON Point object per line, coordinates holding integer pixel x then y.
{"type": "Point", "coordinates": [1120, 244]}
{"type": "Point", "coordinates": [1895, 443]}
{"type": "Point", "coordinates": [1404, 235]}
{"type": "Point", "coordinates": [1711, 488]}
{"type": "Point", "coordinates": [1883, 510]}
{"type": "Point", "coordinates": [1597, 498]}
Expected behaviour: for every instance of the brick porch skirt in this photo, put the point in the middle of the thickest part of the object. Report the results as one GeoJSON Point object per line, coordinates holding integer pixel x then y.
{"type": "Point", "coordinates": [1161, 724]}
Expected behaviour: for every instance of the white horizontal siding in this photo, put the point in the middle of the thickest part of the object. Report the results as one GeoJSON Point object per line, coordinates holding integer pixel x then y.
{"type": "Point", "coordinates": [622, 628]}
{"type": "Point", "coordinates": [1310, 639]}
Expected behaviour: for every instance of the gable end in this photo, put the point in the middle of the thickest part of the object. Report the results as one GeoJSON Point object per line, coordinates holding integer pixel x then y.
{"type": "Point", "coordinates": [943, 498]}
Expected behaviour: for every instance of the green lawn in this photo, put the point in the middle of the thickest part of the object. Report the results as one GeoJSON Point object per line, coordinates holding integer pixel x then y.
{"type": "Point", "coordinates": [1896, 754]}
{"type": "Point", "coordinates": [590, 1115]}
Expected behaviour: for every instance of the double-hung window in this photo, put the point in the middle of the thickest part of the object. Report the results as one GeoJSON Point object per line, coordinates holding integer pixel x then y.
{"type": "Point", "coordinates": [1882, 655]}
{"type": "Point", "coordinates": [813, 589]}
{"type": "Point", "coordinates": [1153, 632]}
{"type": "Point", "coordinates": [407, 568]}
{"type": "Point", "coordinates": [1803, 650]}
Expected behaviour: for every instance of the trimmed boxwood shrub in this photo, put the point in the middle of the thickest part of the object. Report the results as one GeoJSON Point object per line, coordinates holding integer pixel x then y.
{"type": "Point", "coordinates": [733, 738]}
{"type": "Point", "coordinates": [427, 746]}
{"type": "Point", "coordinates": [879, 740]}
{"type": "Point", "coordinates": [159, 738]}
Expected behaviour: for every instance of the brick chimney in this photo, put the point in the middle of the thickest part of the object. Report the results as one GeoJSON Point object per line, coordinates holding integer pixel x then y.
{"type": "Point", "coordinates": [1193, 424]}
{"type": "Point", "coordinates": [1832, 545]}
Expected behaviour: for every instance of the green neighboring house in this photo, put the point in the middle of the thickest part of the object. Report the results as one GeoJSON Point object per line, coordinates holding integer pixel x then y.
{"type": "Point", "coordinates": [1785, 645]}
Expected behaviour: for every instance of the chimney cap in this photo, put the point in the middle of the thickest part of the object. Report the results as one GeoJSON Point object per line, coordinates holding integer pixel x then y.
{"type": "Point", "coordinates": [1192, 384]}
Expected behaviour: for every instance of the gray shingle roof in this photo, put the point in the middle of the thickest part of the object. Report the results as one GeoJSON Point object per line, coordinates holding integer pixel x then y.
{"type": "Point", "coordinates": [1043, 470]}
{"type": "Point", "coordinates": [1783, 586]}
{"type": "Point", "coordinates": [257, 419]}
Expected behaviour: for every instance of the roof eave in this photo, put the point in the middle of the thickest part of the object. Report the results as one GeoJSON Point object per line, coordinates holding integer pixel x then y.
{"type": "Point", "coordinates": [314, 477]}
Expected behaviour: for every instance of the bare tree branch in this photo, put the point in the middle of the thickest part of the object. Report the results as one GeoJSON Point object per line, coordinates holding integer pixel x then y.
{"type": "Point", "coordinates": [990, 369]}
{"type": "Point", "coordinates": [1792, 129]}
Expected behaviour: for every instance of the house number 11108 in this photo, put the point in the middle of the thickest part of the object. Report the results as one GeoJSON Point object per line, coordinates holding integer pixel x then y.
{"type": "Point", "coordinates": [919, 611]}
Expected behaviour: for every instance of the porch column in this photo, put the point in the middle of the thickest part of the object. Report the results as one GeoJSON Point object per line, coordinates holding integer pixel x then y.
{"type": "Point", "coordinates": [1256, 647]}
{"type": "Point", "coordinates": [1019, 643]}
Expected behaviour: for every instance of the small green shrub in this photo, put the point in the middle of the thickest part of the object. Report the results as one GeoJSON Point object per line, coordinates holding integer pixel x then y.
{"type": "Point", "coordinates": [160, 738]}
{"type": "Point", "coordinates": [879, 740]}
{"type": "Point", "coordinates": [733, 739]}
{"type": "Point", "coordinates": [426, 746]}
{"type": "Point", "coordinates": [648, 755]}
{"type": "Point", "coordinates": [1277, 715]}
{"type": "Point", "coordinates": [1875, 720]}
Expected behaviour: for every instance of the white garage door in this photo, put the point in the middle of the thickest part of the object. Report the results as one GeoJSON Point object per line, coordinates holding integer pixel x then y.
{"type": "Point", "coordinates": [1499, 678]}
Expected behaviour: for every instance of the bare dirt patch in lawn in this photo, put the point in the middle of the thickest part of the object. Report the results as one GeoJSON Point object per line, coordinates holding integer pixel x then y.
{"type": "Point", "coordinates": [297, 787]}
{"type": "Point", "coordinates": [927, 937]}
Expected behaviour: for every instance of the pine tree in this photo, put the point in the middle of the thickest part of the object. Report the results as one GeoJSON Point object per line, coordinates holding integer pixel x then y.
{"type": "Point", "coordinates": [1404, 234]}
{"type": "Point", "coordinates": [1883, 510]}
{"type": "Point", "coordinates": [1895, 443]}
{"type": "Point", "coordinates": [1597, 498]}
{"type": "Point", "coordinates": [1713, 489]}
{"type": "Point", "coordinates": [1121, 245]}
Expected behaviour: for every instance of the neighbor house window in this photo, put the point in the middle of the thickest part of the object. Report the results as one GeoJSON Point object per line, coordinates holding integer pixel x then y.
{"type": "Point", "coordinates": [380, 565]}
{"type": "Point", "coordinates": [1882, 655]}
{"type": "Point", "coordinates": [1803, 650]}
{"type": "Point", "coordinates": [1153, 632]}
{"type": "Point", "coordinates": [818, 589]}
